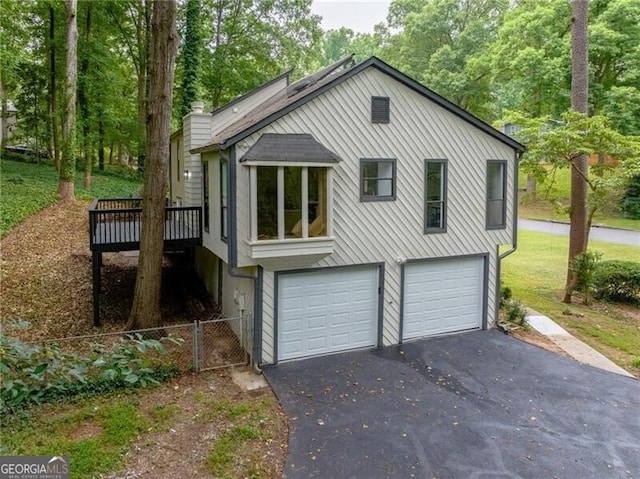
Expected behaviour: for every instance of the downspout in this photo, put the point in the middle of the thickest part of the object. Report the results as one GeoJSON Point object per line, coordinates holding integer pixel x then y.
{"type": "Point", "coordinates": [232, 256]}
{"type": "Point", "coordinates": [514, 245]}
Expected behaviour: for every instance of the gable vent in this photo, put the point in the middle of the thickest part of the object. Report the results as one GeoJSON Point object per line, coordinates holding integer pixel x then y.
{"type": "Point", "coordinates": [379, 109]}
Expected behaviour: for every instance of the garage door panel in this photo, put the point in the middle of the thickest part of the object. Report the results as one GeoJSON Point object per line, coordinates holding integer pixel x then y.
{"type": "Point", "coordinates": [339, 299]}
{"type": "Point", "coordinates": [292, 326]}
{"type": "Point", "coordinates": [442, 296]}
{"type": "Point", "coordinates": [340, 319]}
{"type": "Point", "coordinates": [316, 322]}
{"type": "Point", "coordinates": [317, 345]}
{"type": "Point", "coordinates": [333, 310]}
{"type": "Point", "coordinates": [317, 301]}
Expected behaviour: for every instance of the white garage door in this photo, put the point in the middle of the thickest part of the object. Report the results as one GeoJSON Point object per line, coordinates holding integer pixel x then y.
{"type": "Point", "coordinates": [442, 296]}
{"type": "Point", "coordinates": [326, 311]}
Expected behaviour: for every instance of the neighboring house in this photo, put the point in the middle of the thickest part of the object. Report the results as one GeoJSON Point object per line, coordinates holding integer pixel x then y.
{"type": "Point", "coordinates": [354, 208]}
{"type": "Point", "coordinates": [8, 122]}
{"type": "Point", "coordinates": [511, 129]}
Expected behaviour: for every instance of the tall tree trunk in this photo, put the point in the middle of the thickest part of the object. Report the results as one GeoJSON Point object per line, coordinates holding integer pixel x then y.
{"type": "Point", "coordinates": [83, 103]}
{"type": "Point", "coordinates": [531, 187]}
{"type": "Point", "coordinates": [53, 100]}
{"type": "Point", "coordinates": [578, 233]}
{"type": "Point", "coordinates": [100, 140]}
{"type": "Point", "coordinates": [142, 40]}
{"type": "Point", "coordinates": [68, 160]}
{"type": "Point", "coordinates": [145, 312]}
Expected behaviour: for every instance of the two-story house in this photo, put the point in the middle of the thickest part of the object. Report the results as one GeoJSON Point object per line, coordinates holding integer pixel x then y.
{"type": "Point", "coordinates": [354, 208]}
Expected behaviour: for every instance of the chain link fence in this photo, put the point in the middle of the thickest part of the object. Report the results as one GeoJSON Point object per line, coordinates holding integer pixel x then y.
{"type": "Point", "coordinates": [189, 347]}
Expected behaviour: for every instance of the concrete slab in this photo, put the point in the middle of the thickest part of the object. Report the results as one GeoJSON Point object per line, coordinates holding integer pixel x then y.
{"type": "Point", "coordinates": [248, 380]}
{"type": "Point", "coordinates": [545, 325]}
{"type": "Point", "coordinates": [573, 346]}
{"type": "Point", "coordinates": [478, 404]}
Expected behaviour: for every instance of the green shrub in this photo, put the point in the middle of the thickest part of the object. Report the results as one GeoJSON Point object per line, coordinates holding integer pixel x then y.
{"type": "Point", "coordinates": [516, 312]}
{"type": "Point", "coordinates": [33, 374]}
{"type": "Point", "coordinates": [505, 296]}
{"type": "Point", "coordinates": [584, 266]}
{"type": "Point", "coordinates": [617, 281]}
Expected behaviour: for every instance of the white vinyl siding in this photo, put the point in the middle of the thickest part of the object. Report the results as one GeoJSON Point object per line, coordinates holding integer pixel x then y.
{"type": "Point", "coordinates": [197, 132]}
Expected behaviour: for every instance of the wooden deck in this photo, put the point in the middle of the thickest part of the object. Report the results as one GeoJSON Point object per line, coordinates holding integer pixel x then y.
{"type": "Point", "coordinates": [114, 225]}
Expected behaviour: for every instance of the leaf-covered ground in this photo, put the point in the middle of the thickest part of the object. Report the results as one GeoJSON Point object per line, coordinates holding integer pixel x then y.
{"type": "Point", "coordinates": [46, 280]}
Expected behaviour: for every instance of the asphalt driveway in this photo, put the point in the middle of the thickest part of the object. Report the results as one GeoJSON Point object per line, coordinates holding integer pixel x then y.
{"type": "Point", "coordinates": [478, 404]}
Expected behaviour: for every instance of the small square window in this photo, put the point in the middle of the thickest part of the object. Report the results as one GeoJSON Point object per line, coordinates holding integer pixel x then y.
{"type": "Point", "coordinates": [377, 180]}
{"type": "Point", "coordinates": [380, 109]}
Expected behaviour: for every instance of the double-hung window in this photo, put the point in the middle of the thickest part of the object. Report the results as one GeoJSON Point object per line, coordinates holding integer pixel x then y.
{"type": "Point", "coordinates": [205, 194]}
{"type": "Point", "coordinates": [435, 196]}
{"type": "Point", "coordinates": [377, 179]}
{"type": "Point", "coordinates": [224, 198]}
{"type": "Point", "coordinates": [496, 194]}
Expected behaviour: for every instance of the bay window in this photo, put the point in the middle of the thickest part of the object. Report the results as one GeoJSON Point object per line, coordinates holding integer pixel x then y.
{"type": "Point", "coordinates": [289, 202]}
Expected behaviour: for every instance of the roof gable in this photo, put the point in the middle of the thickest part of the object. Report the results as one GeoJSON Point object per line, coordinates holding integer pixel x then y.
{"type": "Point", "coordinates": [273, 110]}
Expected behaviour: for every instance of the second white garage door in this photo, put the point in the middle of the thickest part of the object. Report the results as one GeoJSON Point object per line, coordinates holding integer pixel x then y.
{"type": "Point", "coordinates": [442, 296]}
{"type": "Point", "coordinates": [326, 311]}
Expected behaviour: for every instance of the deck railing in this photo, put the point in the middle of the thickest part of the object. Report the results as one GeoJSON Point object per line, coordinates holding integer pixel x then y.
{"type": "Point", "coordinates": [114, 224]}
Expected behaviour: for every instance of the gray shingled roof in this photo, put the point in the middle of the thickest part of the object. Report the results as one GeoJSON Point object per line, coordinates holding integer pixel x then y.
{"type": "Point", "coordinates": [293, 93]}
{"type": "Point", "coordinates": [289, 147]}
{"type": "Point", "coordinates": [292, 97]}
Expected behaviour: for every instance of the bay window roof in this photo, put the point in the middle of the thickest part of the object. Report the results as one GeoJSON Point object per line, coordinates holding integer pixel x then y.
{"type": "Point", "coordinates": [289, 148]}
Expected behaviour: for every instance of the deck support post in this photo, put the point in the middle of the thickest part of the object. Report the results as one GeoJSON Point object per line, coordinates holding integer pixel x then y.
{"type": "Point", "coordinates": [97, 262]}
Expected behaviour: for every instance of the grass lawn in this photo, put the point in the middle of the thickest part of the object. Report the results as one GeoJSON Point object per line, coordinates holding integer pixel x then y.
{"type": "Point", "coordinates": [193, 426]}
{"type": "Point", "coordinates": [536, 273]}
{"type": "Point", "coordinates": [94, 433]}
{"type": "Point", "coordinates": [28, 187]}
{"type": "Point", "coordinates": [542, 209]}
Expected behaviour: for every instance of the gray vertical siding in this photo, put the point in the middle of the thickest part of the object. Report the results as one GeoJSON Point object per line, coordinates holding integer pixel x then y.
{"type": "Point", "coordinates": [197, 132]}
{"type": "Point", "coordinates": [385, 231]}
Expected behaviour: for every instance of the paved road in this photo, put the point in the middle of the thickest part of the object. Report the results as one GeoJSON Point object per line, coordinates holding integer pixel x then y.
{"type": "Point", "coordinates": [610, 235]}
{"type": "Point", "coordinates": [478, 404]}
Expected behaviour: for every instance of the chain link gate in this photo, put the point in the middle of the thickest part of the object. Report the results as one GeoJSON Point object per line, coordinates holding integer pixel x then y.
{"type": "Point", "coordinates": [218, 343]}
